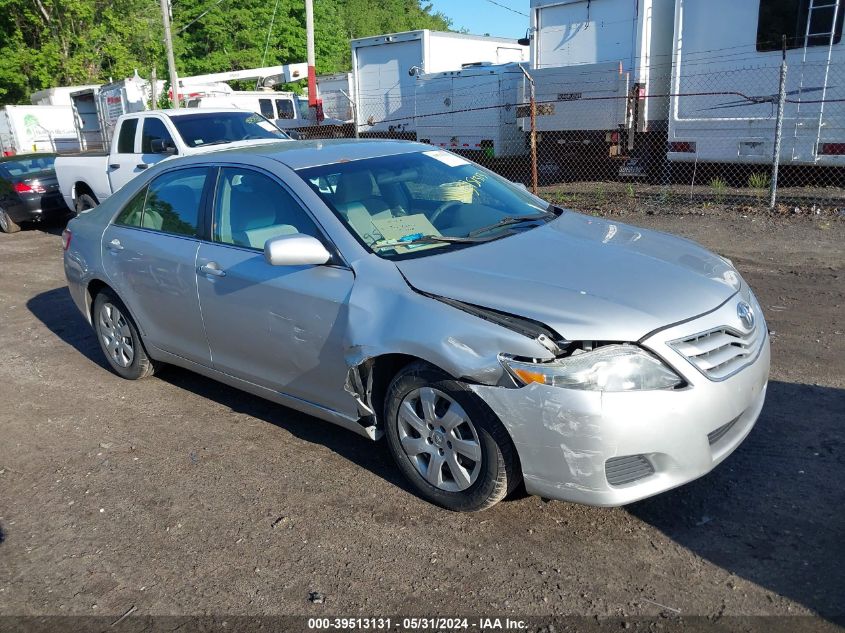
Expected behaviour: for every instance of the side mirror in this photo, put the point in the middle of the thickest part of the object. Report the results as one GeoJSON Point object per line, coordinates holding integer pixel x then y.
{"type": "Point", "coordinates": [295, 250]}
{"type": "Point", "coordinates": [523, 41]}
{"type": "Point", "coordinates": [161, 146]}
{"type": "Point", "coordinates": [296, 136]}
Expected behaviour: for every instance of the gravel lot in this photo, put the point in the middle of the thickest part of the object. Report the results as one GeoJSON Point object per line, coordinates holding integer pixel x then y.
{"type": "Point", "coordinates": [177, 495]}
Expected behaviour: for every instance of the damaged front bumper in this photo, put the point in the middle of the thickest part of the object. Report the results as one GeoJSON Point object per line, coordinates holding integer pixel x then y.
{"type": "Point", "coordinates": [610, 449]}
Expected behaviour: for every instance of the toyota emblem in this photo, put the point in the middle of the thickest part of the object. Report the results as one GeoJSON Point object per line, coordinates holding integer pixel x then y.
{"type": "Point", "coordinates": [745, 314]}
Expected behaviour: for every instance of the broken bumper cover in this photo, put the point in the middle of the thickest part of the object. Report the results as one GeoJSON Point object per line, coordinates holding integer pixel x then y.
{"type": "Point", "coordinates": [610, 449]}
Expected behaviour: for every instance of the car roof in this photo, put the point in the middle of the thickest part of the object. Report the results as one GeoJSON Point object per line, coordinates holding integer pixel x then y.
{"type": "Point", "coordinates": [171, 112]}
{"type": "Point", "coordinates": [303, 154]}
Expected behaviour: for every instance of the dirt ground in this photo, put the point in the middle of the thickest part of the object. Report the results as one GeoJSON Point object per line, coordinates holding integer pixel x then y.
{"type": "Point", "coordinates": [177, 495]}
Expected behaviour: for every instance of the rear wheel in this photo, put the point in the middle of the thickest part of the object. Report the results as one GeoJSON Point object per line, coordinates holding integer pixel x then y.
{"type": "Point", "coordinates": [84, 202]}
{"type": "Point", "coordinates": [119, 339]}
{"type": "Point", "coordinates": [7, 224]}
{"type": "Point", "coordinates": [447, 442]}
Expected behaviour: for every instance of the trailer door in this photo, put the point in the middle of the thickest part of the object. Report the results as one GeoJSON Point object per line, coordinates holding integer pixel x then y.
{"type": "Point", "coordinates": [385, 89]}
{"type": "Point", "coordinates": [586, 32]}
{"type": "Point", "coordinates": [434, 106]}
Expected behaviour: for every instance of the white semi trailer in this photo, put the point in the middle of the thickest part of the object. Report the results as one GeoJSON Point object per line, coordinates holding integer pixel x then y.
{"type": "Point", "coordinates": [338, 94]}
{"type": "Point", "coordinates": [472, 111]}
{"type": "Point", "coordinates": [36, 128]}
{"type": "Point", "coordinates": [385, 68]}
{"type": "Point", "coordinates": [601, 70]}
{"type": "Point", "coordinates": [726, 76]}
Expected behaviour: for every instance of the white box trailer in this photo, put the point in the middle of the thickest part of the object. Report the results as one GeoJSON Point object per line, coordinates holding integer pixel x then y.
{"type": "Point", "coordinates": [602, 70]}
{"type": "Point", "coordinates": [726, 79]}
{"type": "Point", "coordinates": [338, 93]}
{"type": "Point", "coordinates": [38, 128]}
{"type": "Point", "coordinates": [472, 110]}
{"type": "Point", "coordinates": [385, 67]}
{"type": "Point", "coordinates": [57, 96]}
{"type": "Point", "coordinates": [97, 109]}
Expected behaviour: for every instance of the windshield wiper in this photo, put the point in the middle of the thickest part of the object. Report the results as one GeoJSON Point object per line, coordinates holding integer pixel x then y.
{"type": "Point", "coordinates": [512, 219]}
{"type": "Point", "coordinates": [431, 239]}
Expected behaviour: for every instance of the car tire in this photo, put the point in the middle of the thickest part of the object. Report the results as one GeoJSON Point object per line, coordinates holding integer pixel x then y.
{"type": "Point", "coordinates": [119, 339]}
{"type": "Point", "coordinates": [447, 442]}
{"type": "Point", "coordinates": [84, 202]}
{"type": "Point", "coordinates": [7, 224]}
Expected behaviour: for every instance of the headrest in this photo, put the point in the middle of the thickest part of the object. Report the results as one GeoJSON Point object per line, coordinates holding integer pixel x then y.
{"type": "Point", "coordinates": [354, 186]}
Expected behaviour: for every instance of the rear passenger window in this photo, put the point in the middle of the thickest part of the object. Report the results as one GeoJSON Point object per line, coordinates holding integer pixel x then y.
{"type": "Point", "coordinates": [131, 214]}
{"type": "Point", "coordinates": [173, 202]}
{"type": "Point", "coordinates": [266, 107]}
{"type": "Point", "coordinates": [250, 208]}
{"type": "Point", "coordinates": [126, 139]}
{"type": "Point", "coordinates": [285, 108]}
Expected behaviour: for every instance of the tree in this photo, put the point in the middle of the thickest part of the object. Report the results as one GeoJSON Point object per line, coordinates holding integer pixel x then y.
{"type": "Point", "coordinates": [46, 43]}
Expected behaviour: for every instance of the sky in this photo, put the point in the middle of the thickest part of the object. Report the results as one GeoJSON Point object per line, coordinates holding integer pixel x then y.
{"type": "Point", "coordinates": [486, 16]}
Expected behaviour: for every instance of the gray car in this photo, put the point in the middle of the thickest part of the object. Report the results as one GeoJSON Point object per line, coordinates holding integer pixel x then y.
{"type": "Point", "coordinates": [402, 291]}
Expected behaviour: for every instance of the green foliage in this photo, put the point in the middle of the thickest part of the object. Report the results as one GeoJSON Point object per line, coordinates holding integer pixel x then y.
{"type": "Point", "coordinates": [759, 180]}
{"type": "Point", "coordinates": [47, 43]}
{"type": "Point", "coordinates": [718, 186]}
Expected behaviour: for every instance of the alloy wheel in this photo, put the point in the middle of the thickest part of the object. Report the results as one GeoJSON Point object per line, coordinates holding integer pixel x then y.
{"type": "Point", "coordinates": [116, 334]}
{"type": "Point", "coordinates": [439, 439]}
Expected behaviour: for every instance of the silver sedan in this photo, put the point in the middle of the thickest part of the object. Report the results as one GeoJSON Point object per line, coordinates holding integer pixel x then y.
{"type": "Point", "coordinates": [402, 291]}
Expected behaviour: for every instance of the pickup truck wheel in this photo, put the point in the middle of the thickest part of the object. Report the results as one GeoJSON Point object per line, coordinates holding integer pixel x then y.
{"type": "Point", "coordinates": [119, 339]}
{"type": "Point", "coordinates": [84, 202]}
{"type": "Point", "coordinates": [7, 224]}
{"type": "Point", "coordinates": [447, 443]}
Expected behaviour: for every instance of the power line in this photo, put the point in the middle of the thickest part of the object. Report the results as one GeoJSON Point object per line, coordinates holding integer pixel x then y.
{"type": "Point", "coordinates": [201, 15]}
{"type": "Point", "coordinates": [507, 8]}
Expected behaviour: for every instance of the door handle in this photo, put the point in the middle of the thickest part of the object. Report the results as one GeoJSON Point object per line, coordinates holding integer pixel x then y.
{"type": "Point", "coordinates": [212, 269]}
{"type": "Point", "coordinates": [142, 165]}
{"type": "Point", "coordinates": [114, 165]}
{"type": "Point", "coordinates": [115, 245]}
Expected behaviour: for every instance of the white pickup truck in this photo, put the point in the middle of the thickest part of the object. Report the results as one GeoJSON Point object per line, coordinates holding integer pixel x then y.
{"type": "Point", "coordinates": [142, 139]}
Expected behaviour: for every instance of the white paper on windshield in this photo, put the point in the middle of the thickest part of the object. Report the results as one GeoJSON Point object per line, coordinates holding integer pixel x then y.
{"type": "Point", "coordinates": [266, 125]}
{"type": "Point", "coordinates": [447, 158]}
{"type": "Point", "coordinates": [407, 227]}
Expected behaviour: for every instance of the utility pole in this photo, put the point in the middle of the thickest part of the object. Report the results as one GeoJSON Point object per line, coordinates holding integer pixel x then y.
{"type": "Point", "coordinates": [171, 62]}
{"type": "Point", "coordinates": [313, 100]}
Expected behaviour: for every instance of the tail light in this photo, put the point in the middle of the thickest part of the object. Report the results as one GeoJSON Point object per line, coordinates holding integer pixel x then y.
{"type": "Point", "coordinates": [682, 147]}
{"type": "Point", "coordinates": [9, 152]}
{"type": "Point", "coordinates": [66, 235]}
{"type": "Point", "coordinates": [22, 187]}
{"type": "Point", "coordinates": [832, 149]}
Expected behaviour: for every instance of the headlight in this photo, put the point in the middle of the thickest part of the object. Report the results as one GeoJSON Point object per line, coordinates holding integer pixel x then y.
{"type": "Point", "coordinates": [607, 368]}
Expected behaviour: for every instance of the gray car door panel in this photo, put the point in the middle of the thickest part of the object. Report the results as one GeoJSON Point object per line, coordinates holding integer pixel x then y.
{"type": "Point", "coordinates": [155, 275]}
{"type": "Point", "coordinates": [280, 327]}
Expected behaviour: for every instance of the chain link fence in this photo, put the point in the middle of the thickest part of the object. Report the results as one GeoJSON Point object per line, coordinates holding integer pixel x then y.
{"type": "Point", "coordinates": [604, 144]}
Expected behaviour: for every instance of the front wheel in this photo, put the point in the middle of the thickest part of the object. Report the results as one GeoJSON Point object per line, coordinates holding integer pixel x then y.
{"type": "Point", "coordinates": [446, 442]}
{"type": "Point", "coordinates": [119, 339]}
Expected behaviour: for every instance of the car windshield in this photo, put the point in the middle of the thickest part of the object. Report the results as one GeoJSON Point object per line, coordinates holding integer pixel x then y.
{"type": "Point", "coordinates": [217, 128]}
{"type": "Point", "coordinates": [25, 166]}
{"type": "Point", "coordinates": [423, 202]}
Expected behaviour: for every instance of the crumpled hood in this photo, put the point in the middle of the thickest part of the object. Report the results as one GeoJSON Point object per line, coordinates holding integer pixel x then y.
{"type": "Point", "coordinates": [586, 278]}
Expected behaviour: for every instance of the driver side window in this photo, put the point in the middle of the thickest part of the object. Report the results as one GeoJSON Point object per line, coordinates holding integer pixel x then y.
{"type": "Point", "coordinates": [154, 129]}
{"type": "Point", "coordinates": [250, 208]}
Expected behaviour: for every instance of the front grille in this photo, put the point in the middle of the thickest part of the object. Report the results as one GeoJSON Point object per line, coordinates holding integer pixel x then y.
{"type": "Point", "coordinates": [721, 352]}
{"type": "Point", "coordinates": [718, 434]}
{"type": "Point", "coordinates": [624, 470]}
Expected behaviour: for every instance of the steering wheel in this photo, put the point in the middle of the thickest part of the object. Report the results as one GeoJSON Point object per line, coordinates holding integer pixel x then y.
{"type": "Point", "coordinates": [442, 209]}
